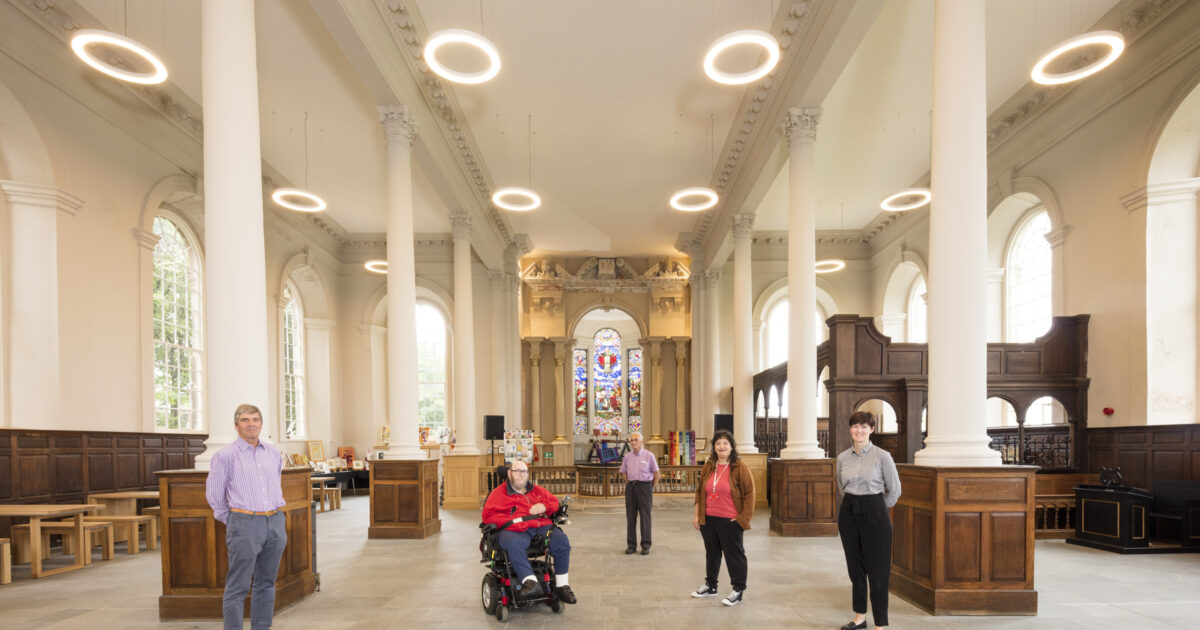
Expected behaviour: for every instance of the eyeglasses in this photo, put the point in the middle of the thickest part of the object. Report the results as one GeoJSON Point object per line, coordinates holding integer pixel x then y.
{"type": "Point", "coordinates": [519, 472]}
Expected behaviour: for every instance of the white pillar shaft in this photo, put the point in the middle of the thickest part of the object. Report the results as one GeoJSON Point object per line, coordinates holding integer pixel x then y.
{"type": "Point", "coordinates": [655, 391]}
{"type": "Point", "coordinates": [712, 290]}
{"type": "Point", "coordinates": [499, 377]}
{"type": "Point", "coordinates": [401, 287]}
{"type": "Point", "coordinates": [318, 343]}
{"type": "Point", "coordinates": [513, 335]}
{"type": "Point", "coordinates": [560, 436]}
{"type": "Point", "coordinates": [465, 422]}
{"type": "Point", "coordinates": [146, 242]}
{"type": "Point", "coordinates": [957, 431]}
{"type": "Point", "coordinates": [681, 423]}
{"type": "Point", "coordinates": [743, 337]}
{"type": "Point", "coordinates": [802, 287]}
{"type": "Point", "coordinates": [379, 381]}
{"type": "Point", "coordinates": [235, 275]}
{"type": "Point", "coordinates": [535, 388]}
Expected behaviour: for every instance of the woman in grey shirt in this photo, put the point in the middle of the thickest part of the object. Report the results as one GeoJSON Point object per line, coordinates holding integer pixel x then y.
{"type": "Point", "coordinates": [868, 485]}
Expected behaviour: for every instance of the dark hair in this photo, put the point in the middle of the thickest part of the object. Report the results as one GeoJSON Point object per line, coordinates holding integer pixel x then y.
{"type": "Point", "coordinates": [712, 445]}
{"type": "Point", "coordinates": [862, 417]}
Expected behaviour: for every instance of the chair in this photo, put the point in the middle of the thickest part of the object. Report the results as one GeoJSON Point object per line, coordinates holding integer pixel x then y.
{"type": "Point", "coordinates": [5, 561]}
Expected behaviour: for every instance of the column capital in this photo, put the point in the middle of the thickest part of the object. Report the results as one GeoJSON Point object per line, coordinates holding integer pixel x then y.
{"type": "Point", "coordinates": [40, 196]}
{"type": "Point", "coordinates": [145, 240]}
{"type": "Point", "coordinates": [743, 225]}
{"type": "Point", "coordinates": [800, 125]}
{"type": "Point", "coordinates": [712, 279]}
{"type": "Point", "coordinates": [1057, 236]}
{"type": "Point", "coordinates": [399, 125]}
{"type": "Point", "coordinates": [460, 225]}
{"type": "Point", "coordinates": [681, 349]}
{"type": "Point", "coordinates": [281, 301]}
{"type": "Point", "coordinates": [499, 279]}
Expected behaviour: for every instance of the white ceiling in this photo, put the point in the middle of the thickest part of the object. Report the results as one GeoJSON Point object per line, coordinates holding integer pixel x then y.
{"type": "Point", "coordinates": [620, 106]}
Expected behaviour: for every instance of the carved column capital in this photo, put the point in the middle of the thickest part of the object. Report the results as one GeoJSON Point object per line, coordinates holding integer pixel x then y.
{"type": "Point", "coordinates": [681, 350]}
{"type": "Point", "coordinates": [145, 240]}
{"type": "Point", "coordinates": [712, 279]}
{"type": "Point", "coordinates": [399, 125]}
{"type": "Point", "coordinates": [460, 225]}
{"type": "Point", "coordinates": [743, 225]}
{"type": "Point", "coordinates": [800, 125]}
{"type": "Point", "coordinates": [1057, 236]}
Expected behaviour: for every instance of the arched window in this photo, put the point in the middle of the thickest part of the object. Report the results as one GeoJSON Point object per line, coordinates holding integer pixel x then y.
{"type": "Point", "coordinates": [776, 340]}
{"type": "Point", "coordinates": [178, 341]}
{"type": "Point", "coordinates": [294, 399]}
{"type": "Point", "coordinates": [915, 312]}
{"type": "Point", "coordinates": [1027, 280]}
{"type": "Point", "coordinates": [431, 367]}
{"type": "Point", "coordinates": [606, 379]}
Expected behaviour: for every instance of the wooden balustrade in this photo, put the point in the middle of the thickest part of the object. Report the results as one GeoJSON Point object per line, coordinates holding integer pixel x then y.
{"type": "Point", "coordinates": [598, 481]}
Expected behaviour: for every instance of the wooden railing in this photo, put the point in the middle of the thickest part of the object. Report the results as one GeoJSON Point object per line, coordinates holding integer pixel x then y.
{"type": "Point", "coordinates": [1054, 515]}
{"type": "Point", "coordinates": [1048, 446]}
{"type": "Point", "coordinates": [599, 481]}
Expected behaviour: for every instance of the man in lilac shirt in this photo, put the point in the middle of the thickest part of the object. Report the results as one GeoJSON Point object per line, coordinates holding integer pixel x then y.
{"type": "Point", "coordinates": [245, 493]}
{"type": "Point", "coordinates": [640, 468]}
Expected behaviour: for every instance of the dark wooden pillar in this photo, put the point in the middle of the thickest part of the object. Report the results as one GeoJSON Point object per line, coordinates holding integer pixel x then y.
{"type": "Point", "coordinates": [803, 497]}
{"type": "Point", "coordinates": [963, 540]}
{"type": "Point", "coordinates": [404, 499]}
{"type": "Point", "coordinates": [194, 557]}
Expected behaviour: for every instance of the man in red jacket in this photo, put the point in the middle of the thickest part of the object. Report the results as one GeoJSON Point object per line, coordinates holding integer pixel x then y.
{"type": "Point", "coordinates": [521, 499]}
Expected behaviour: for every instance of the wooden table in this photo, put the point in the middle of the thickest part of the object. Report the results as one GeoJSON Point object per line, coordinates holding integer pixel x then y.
{"type": "Point", "coordinates": [324, 480]}
{"type": "Point", "coordinates": [38, 511]}
{"type": "Point", "coordinates": [121, 503]}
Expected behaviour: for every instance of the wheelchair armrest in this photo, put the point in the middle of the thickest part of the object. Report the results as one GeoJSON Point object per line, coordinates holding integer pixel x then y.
{"type": "Point", "coordinates": [487, 528]}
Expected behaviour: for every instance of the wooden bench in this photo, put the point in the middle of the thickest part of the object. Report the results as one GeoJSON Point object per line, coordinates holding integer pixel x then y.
{"type": "Point", "coordinates": [1175, 513]}
{"type": "Point", "coordinates": [99, 534]}
{"type": "Point", "coordinates": [333, 496]}
{"type": "Point", "coordinates": [5, 561]}
{"type": "Point", "coordinates": [130, 528]}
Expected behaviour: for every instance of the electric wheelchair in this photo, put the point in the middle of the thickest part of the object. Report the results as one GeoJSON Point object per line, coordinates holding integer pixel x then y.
{"type": "Point", "coordinates": [497, 592]}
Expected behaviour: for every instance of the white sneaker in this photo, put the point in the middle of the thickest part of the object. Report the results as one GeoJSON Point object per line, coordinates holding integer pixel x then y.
{"type": "Point", "coordinates": [735, 598]}
{"type": "Point", "coordinates": [705, 591]}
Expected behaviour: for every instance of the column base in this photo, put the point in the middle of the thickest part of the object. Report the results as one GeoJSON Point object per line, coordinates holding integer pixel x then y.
{"type": "Point", "coordinates": [802, 449]}
{"type": "Point", "coordinates": [560, 439]}
{"type": "Point", "coordinates": [403, 451]}
{"type": "Point", "coordinates": [211, 446]}
{"type": "Point", "coordinates": [965, 451]}
{"type": "Point", "coordinates": [466, 449]}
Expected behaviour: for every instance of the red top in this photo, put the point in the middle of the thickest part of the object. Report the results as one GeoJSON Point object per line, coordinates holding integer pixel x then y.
{"type": "Point", "coordinates": [503, 505]}
{"type": "Point", "coordinates": [719, 503]}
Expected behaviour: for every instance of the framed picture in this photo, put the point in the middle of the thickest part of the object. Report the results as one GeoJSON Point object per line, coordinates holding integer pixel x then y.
{"type": "Point", "coordinates": [346, 453]}
{"type": "Point", "coordinates": [358, 465]}
{"type": "Point", "coordinates": [316, 450]}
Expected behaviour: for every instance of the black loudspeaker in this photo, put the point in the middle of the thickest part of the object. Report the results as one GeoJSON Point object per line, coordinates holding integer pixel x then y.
{"type": "Point", "coordinates": [493, 427]}
{"type": "Point", "coordinates": [723, 421]}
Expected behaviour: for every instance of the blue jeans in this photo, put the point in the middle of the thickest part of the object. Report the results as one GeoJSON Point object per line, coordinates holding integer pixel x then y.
{"type": "Point", "coordinates": [516, 545]}
{"type": "Point", "coordinates": [255, 546]}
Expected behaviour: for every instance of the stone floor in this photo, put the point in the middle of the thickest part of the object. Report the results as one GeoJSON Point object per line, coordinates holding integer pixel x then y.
{"type": "Point", "coordinates": [793, 583]}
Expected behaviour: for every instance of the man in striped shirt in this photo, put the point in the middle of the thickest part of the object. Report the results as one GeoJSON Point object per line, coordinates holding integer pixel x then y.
{"type": "Point", "coordinates": [245, 493]}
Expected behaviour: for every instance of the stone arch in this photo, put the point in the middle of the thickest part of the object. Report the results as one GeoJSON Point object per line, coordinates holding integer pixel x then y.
{"type": "Point", "coordinates": [583, 312]}
{"type": "Point", "coordinates": [306, 277]}
{"type": "Point", "coordinates": [25, 154]}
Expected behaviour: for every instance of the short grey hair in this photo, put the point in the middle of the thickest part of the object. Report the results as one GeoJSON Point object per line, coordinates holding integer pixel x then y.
{"type": "Point", "coordinates": [639, 434]}
{"type": "Point", "coordinates": [245, 408]}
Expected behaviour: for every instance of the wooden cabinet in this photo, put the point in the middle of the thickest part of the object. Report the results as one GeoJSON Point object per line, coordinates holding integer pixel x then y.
{"type": "Point", "coordinates": [404, 499]}
{"type": "Point", "coordinates": [962, 540]}
{"type": "Point", "coordinates": [194, 556]}
{"type": "Point", "coordinates": [803, 497]}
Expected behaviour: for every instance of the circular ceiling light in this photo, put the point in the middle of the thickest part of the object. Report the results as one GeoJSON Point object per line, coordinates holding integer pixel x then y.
{"type": "Point", "coordinates": [708, 198]}
{"type": "Point", "coordinates": [503, 199]}
{"type": "Point", "coordinates": [86, 37]}
{"type": "Point", "coordinates": [1116, 45]}
{"type": "Point", "coordinates": [738, 38]}
{"type": "Point", "coordinates": [829, 265]}
{"type": "Point", "coordinates": [910, 199]}
{"type": "Point", "coordinates": [460, 36]}
{"type": "Point", "coordinates": [376, 266]}
{"type": "Point", "coordinates": [294, 199]}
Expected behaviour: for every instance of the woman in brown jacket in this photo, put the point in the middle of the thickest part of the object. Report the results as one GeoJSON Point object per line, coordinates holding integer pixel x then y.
{"type": "Point", "coordinates": [724, 507]}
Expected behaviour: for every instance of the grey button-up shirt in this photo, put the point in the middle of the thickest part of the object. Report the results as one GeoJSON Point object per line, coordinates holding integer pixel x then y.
{"type": "Point", "coordinates": [870, 471]}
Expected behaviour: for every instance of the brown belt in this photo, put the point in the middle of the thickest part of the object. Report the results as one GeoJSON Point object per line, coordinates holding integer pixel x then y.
{"type": "Point", "coordinates": [254, 513]}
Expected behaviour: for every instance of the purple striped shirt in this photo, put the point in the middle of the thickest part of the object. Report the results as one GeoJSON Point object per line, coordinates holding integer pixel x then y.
{"type": "Point", "coordinates": [245, 477]}
{"type": "Point", "coordinates": [639, 466]}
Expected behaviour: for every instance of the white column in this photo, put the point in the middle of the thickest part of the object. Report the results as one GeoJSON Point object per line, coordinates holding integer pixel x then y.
{"type": "Point", "coordinates": [958, 242]}
{"type": "Point", "coordinates": [512, 334]}
{"type": "Point", "coordinates": [995, 293]}
{"type": "Point", "coordinates": [400, 130]}
{"type": "Point", "coordinates": [682, 422]}
{"type": "Point", "coordinates": [145, 266]}
{"type": "Point", "coordinates": [712, 358]}
{"type": "Point", "coordinates": [698, 396]}
{"type": "Point", "coordinates": [318, 379]}
{"type": "Point", "coordinates": [235, 273]}
{"type": "Point", "coordinates": [801, 129]}
{"type": "Point", "coordinates": [465, 422]}
{"type": "Point", "coordinates": [655, 424]}
{"type": "Point", "coordinates": [535, 387]}
{"type": "Point", "coordinates": [374, 341]}
{"type": "Point", "coordinates": [562, 350]}
{"type": "Point", "coordinates": [34, 388]}
{"type": "Point", "coordinates": [743, 337]}
{"type": "Point", "coordinates": [499, 404]}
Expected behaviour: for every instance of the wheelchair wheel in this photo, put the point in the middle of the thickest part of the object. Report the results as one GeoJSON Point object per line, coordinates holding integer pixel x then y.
{"type": "Point", "coordinates": [490, 594]}
{"type": "Point", "coordinates": [556, 605]}
{"type": "Point", "coordinates": [502, 614]}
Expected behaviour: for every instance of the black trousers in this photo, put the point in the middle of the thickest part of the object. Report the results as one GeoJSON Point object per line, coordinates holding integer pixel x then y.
{"type": "Point", "coordinates": [639, 496]}
{"type": "Point", "coordinates": [866, 532]}
{"type": "Point", "coordinates": [723, 536]}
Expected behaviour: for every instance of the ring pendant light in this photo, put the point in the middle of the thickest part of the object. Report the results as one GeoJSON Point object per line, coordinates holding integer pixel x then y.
{"type": "Point", "coordinates": [295, 199]}
{"type": "Point", "coordinates": [376, 266]}
{"type": "Point", "coordinates": [87, 37]}
{"type": "Point", "coordinates": [509, 199]}
{"type": "Point", "coordinates": [1116, 45]}
{"type": "Point", "coordinates": [738, 38]}
{"type": "Point", "coordinates": [923, 196]}
{"type": "Point", "coordinates": [461, 36]}
{"type": "Point", "coordinates": [829, 265]}
{"type": "Point", "coordinates": [708, 198]}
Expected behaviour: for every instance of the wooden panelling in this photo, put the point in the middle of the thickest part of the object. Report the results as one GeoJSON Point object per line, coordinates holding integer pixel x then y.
{"type": "Point", "coordinates": [902, 536]}
{"type": "Point", "coordinates": [1023, 362]}
{"type": "Point", "coordinates": [64, 466]}
{"type": "Point", "coordinates": [1008, 546]}
{"type": "Point", "coordinates": [1147, 453]}
{"type": "Point", "coordinates": [404, 499]}
{"type": "Point", "coordinates": [189, 536]}
{"type": "Point", "coordinates": [905, 362]}
{"type": "Point", "coordinates": [802, 497]}
{"type": "Point", "coordinates": [984, 489]}
{"type": "Point", "coordinates": [922, 533]}
{"type": "Point", "coordinates": [868, 353]}
{"type": "Point", "coordinates": [964, 534]}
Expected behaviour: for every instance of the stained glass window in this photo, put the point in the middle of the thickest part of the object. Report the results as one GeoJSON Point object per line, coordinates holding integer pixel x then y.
{"type": "Point", "coordinates": [635, 390]}
{"type": "Point", "coordinates": [581, 398]}
{"type": "Point", "coordinates": [177, 337]}
{"type": "Point", "coordinates": [606, 380]}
